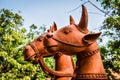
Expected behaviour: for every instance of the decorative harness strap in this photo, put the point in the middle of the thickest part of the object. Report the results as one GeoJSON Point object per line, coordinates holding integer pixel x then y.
{"type": "Point", "coordinates": [98, 76]}
{"type": "Point", "coordinates": [53, 72]}
{"type": "Point", "coordinates": [57, 55]}
{"type": "Point", "coordinates": [84, 54]}
{"type": "Point", "coordinates": [91, 76]}
{"type": "Point", "coordinates": [70, 44]}
{"type": "Point", "coordinates": [45, 68]}
{"type": "Point", "coordinates": [34, 48]}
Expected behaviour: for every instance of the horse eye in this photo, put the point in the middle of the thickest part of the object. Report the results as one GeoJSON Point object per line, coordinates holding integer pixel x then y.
{"type": "Point", "coordinates": [40, 39]}
{"type": "Point", "coordinates": [67, 31]}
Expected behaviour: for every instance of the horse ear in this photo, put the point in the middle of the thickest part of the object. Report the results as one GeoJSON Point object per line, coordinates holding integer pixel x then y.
{"type": "Point", "coordinates": [71, 20]}
{"type": "Point", "coordinates": [82, 26]}
{"type": "Point", "coordinates": [53, 27]}
{"type": "Point", "coordinates": [90, 38]}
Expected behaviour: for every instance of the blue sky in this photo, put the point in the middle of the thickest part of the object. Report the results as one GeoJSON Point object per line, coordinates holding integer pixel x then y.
{"type": "Point", "coordinates": [45, 12]}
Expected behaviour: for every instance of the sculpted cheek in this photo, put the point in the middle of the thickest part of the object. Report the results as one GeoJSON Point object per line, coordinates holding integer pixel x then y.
{"type": "Point", "coordinates": [70, 50]}
{"type": "Point", "coordinates": [28, 53]}
{"type": "Point", "coordinates": [49, 42]}
{"type": "Point", "coordinates": [50, 45]}
{"type": "Point", "coordinates": [52, 50]}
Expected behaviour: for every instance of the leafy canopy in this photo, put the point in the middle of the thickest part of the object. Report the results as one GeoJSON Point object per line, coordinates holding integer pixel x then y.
{"type": "Point", "coordinates": [111, 30]}
{"type": "Point", "coordinates": [13, 38]}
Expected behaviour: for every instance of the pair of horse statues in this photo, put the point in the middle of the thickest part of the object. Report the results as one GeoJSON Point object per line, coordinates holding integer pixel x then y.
{"type": "Point", "coordinates": [73, 39]}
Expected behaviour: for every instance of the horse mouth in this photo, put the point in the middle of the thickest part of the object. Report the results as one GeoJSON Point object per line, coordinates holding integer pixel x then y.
{"type": "Point", "coordinates": [27, 55]}
{"type": "Point", "coordinates": [52, 48]}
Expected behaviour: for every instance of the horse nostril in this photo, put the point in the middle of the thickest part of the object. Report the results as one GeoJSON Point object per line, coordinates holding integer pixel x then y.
{"type": "Point", "coordinates": [24, 50]}
{"type": "Point", "coordinates": [49, 35]}
{"type": "Point", "coordinates": [27, 47]}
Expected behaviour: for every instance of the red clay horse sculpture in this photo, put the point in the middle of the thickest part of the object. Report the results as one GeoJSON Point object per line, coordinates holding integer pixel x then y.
{"type": "Point", "coordinates": [75, 39]}
{"type": "Point", "coordinates": [63, 63]}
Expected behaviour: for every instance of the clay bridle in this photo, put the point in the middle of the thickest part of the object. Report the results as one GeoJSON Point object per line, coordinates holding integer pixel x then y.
{"type": "Point", "coordinates": [70, 44]}
{"type": "Point", "coordinates": [76, 45]}
{"type": "Point", "coordinates": [41, 61]}
{"type": "Point", "coordinates": [36, 50]}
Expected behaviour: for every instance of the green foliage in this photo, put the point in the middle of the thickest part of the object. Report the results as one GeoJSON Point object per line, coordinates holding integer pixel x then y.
{"type": "Point", "coordinates": [13, 38]}
{"type": "Point", "coordinates": [111, 6]}
{"type": "Point", "coordinates": [111, 30]}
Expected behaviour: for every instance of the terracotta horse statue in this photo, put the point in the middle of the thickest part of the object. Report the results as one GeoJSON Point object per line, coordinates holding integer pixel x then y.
{"type": "Point", "coordinates": [64, 65]}
{"type": "Point", "coordinates": [75, 39]}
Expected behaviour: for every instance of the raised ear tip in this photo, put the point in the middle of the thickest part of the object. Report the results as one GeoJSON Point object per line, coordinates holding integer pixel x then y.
{"type": "Point", "coordinates": [72, 20]}
{"type": "Point", "coordinates": [50, 27]}
{"type": "Point", "coordinates": [71, 17]}
{"type": "Point", "coordinates": [54, 26]}
{"type": "Point", "coordinates": [83, 6]}
{"type": "Point", "coordinates": [54, 23]}
{"type": "Point", "coordinates": [99, 33]}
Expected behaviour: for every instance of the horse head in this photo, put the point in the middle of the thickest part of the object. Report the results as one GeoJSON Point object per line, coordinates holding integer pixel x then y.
{"type": "Point", "coordinates": [75, 39]}
{"type": "Point", "coordinates": [35, 52]}
{"type": "Point", "coordinates": [35, 49]}
{"type": "Point", "coordinates": [71, 38]}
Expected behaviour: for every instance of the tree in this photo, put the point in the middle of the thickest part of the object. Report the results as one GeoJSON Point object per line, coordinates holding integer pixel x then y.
{"type": "Point", "coordinates": [13, 38]}
{"type": "Point", "coordinates": [111, 30]}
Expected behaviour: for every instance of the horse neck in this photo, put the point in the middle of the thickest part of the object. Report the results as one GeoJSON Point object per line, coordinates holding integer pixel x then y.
{"type": "Point", "coordinates": [89, 61]}
{"type": "Point", "coordinates": [63, 63]}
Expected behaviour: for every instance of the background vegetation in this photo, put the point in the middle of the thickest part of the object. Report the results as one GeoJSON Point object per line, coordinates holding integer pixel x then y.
{"type": "Point", "coordinates": [111, 31]}
{"type": "Point", "coordinates": [13, 38]}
